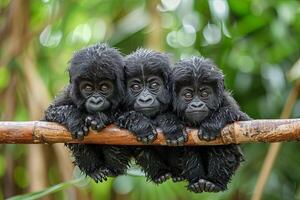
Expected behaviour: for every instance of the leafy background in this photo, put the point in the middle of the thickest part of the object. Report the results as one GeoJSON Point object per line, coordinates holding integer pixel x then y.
{"type": "Point", "coordinates": [255, 43]}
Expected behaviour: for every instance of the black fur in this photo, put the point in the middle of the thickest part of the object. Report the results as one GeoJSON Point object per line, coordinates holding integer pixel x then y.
{"type": "Point", "coordinates": [154, 160]}
{"type": "Point", "coordinates": [208, 168]}
{"type": "Point", "coordinates": [94, 64]}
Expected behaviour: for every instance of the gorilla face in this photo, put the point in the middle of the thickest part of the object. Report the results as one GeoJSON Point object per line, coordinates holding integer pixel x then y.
{"type": "Point", "coordinates": [198, 89]}
{"type": "Point", "coordinates": [96, 95]}
{"type": "Point", "coordinates": [196, 101]}
{"type": "Point", "coordinates": [145, 91]}
{"type": "Point", "coordinates": [148, 82]}
{"type": "Point", "coordinates": [97, 78]}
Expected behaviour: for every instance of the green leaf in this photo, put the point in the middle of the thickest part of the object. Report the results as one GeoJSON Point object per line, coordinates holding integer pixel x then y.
{"type": "Point", "coordinates": [47, 191]}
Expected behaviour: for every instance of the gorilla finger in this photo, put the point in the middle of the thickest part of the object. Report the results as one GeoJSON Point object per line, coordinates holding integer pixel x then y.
{"type": "Point", "coordinates": [206, 137]}
{"type": "Point", "coordinates": [97, 177]}
{"type": "Point", "coordinates": [88, 120]}
{"type": "Point", "coordinates": [103, 176]}
{"type": "Point", "coordinates": [212, 187]}
{"type": "Point", "coordinates": [100, 177]}
{"type": "Point", "coordinates": [94, 124]}
{"type": "Point", "coordinates": [185, 135]}
{"type": "Point", "coordinates": [154, 131]}
{"type": "Point", "coordinates": [99, 127]}
{"type": "Point", "coordinates": [145, 140]}
{"type": "Point", "coordinates": [202, 184]}
{"type": "Point", "coordinates": [176, 179]}
{"type": "Point", "coordinates": [85, 130]}
{"type": "Point", "coordinates": [197, 187]}
{"type": "Point", "coordinates": [105, 171]}
{"type": "Point", "coordinates": [151, 137]}
{"type": "Point", "coordinates": [168, 142]}
{"type": "Point", "coordinates": [181, 139]}
{"type": "Point", "coordinates": [207, 186]}
{"type": "Point", "coordinates": [80, 135]}
{"type": "Point", "coordinates": [192, 188]}
{"type": "Point", "coordinates": [200, 135]}
{"type": "Point", "coordinates": [174, 143]}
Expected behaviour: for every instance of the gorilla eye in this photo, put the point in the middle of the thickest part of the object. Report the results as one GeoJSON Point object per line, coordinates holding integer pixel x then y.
{"type": "Point", "coordinates": [204, 94]}
{"type": "Point", "coordinates": [104, 87]}
{"type": "Point", "coordinates": [88, 88]}
{"type": "Point", "coordinates": [154, 85]}
{"type": "Point", "coordinates": [188, 95]}
{"type": "Point", "coordinates": [135, 87]}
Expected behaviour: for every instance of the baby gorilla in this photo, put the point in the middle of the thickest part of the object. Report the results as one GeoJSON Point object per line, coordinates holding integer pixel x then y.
{"type": "Point", "coordinates": [91, 100]}
{"type": "Point", "coordinates": [147, 106]}
{"type": "Point", "coordinates": [201, 101]}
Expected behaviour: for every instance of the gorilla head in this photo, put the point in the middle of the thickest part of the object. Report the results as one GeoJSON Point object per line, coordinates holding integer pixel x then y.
{"type": "Point", "coordinates": [96, 78]}
{"type": "Point", "coordinates": [198, 89]}
{"type": "Point", "coordinates": [147, 75]}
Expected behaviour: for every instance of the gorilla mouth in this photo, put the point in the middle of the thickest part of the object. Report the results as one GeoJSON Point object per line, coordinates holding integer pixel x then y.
{"type": "Point", "coordinates": [198, 111]}
{"type": "Point", "coordinates": [148, 108]}
{"type": "Point", "coordinates": [95, 107]}
{"type": "Point", "coordinates": [148, 111]}
{"type": "Point", "coordinates": [196, 116]}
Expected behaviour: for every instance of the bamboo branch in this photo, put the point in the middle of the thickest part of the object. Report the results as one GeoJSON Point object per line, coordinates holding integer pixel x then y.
{"type": "Point", "coordinates": [275, 147]}
{"type": "Point", "coordinates": [239, 132]}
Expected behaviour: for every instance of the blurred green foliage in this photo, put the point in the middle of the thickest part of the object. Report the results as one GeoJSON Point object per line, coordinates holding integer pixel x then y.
{"type": "Point", "coordinates": [255, 43]}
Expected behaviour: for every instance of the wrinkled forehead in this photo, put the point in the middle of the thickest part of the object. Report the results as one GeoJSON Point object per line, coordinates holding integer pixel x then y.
{"type": "Point", "coordinates": [143, 72]}
{"type": "Point", "coordinates": [194, 77]}
{"type": "Point", "coordinates": [93, 74]}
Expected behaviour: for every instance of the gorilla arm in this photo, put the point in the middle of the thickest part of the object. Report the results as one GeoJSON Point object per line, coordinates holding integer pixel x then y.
{"type": "Point", "coordinates": [172, 128]}
{"type": "Point", "coordinates": [63, 111]}
{"type": "Point", "coordinates": [139, 124]}
{"type": "Point", "coordinates": [228, 112]}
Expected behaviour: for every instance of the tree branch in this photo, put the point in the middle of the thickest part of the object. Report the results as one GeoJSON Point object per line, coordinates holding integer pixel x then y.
{"type": "Point", "coordinates": [238, 132]}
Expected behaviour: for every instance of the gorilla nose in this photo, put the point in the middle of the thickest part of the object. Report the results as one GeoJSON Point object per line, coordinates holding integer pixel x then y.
{"type": "Point", "coordinates": [145, 100]}
{"type": "Point", "coordinates": [197, 105]}
{"type": "Point", "coordinates": [96, 100]}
